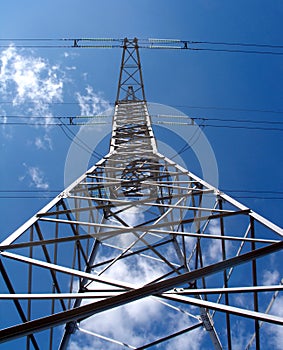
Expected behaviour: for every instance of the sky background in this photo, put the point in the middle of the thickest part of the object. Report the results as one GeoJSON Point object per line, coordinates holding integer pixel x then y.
{"type": "Point", "coordinates": [201, 84]}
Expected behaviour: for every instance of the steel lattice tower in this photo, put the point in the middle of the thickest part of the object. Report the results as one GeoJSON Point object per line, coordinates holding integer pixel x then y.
{"type": "Point", "coordinates": [136, 207]}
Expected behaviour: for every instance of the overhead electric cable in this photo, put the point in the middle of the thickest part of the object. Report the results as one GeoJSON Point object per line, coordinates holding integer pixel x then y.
{"type": "Point", "coordinates": [151, 43]}
{"type": "Point", "coordinates": [248, 110]}
{"type": "Point", "coordinates": [186, 121]}
{"type": "Point", "coordinates": [81, 144]}
{"type": "Point", "coordinates": [238, 44]}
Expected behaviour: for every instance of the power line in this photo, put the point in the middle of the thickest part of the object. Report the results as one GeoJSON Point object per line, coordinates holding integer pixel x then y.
{"type": "Point", "coordinates": [241, 127]}
{"type": "Point", "coordinates": [151, 43]}
{"type": "Point", "coordinates": [182, 124]}
{"type": "Point", "coordinates": [204, 120]}
{"type": "Point", "coordinates": [238, 44]}
{"type": "Point", "coordinates": [218, 108]}
{"type": "Point", "coordinates": [80, 143]}
{"type": "Point", "coordinates": [241, 120]}
{"type": "Point", "coordinates": [239, 51]}
{"type": "Point", "coordinates": [234, 109]}
{"type": "Point", "coordinates": [74, 117]}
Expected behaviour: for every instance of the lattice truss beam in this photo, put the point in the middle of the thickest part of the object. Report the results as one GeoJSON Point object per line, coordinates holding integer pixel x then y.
{"type": "Point", "coordinates": [85, 253]}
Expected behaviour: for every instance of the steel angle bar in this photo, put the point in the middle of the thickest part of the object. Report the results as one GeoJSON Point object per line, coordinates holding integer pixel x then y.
{"type": "Point", "coordinates": [121, 255]}
{"type": "Point", "coordinates": [88, 310]}
{"type": "Point", "coordinates": [173, 335]}
{"type": "Point", "coordinates": [111, 340]}
{"type": "Point", "coordinates": [17, 304]}
{"type": "Point", "coordinates": [41, 296]}
{"type": "Point", "coordinates": [223, 290]}
{"type": "Point", "coordinates": [67, 270]}
{"type": "Point", "coordinates": [16, 234]}
{"type": "Point", "coordinates": [186, 172]}
{"type": "Point", "coordinates": [150, 257]}
{"type": "Point", "coordinates": [45, 242]}
{"type": "Point", "coordinates": [229, 199]}
{"type": "Point", "coordinates": [266, 311]}
{"type": "Point", "coordinates": [182, 311]}
{"type": "Point", "coordinates": [192, 192]}
{"type": "Point", "coordinates": [124, 229]}
{"type": "Point", "coordinates": [225, 308]}
{"type": "Point", "coordinates": [137, 252]}
{"type": "Point", "coordinates": [256, 216]}
{"type": "Point", "coordinates": [85, 223]}
{"type": "Point", "coordinates": [67, 211]}
{"type": "Point", "coordinates": [212, 236]}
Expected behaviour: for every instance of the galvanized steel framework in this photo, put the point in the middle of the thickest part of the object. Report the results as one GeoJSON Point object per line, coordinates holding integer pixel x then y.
{"type": "Point", "coordinates": [135, 205]}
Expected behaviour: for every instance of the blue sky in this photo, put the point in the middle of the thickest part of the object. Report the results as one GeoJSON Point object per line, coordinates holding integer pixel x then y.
{"type": "Point", "coordinates": [200, 84]}
{"type": "Point", "coordinates": [247, 159]}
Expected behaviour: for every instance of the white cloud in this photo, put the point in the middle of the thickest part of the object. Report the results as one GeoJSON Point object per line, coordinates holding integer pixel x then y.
{"type": "Point", "coordinates": [35, 176]}
{"type": "Point", "coordinates": [71, 67]}
{"type": "Point", "coordinates": [44, 142]}
{"type": "Point", "coordinates": [91, 103]}
{"type": "Point", "coordinates": [32, 84]}
{"type": "Point", "coordinates": [127, 323]}
{"type": "Point", "coordinates": [275, 332]}
{"type": "Point", "coordinates": [270, 277]}
{"type": "Point", "coordinates": [240, 335]}
{"type": "Point", "coordinates": [140, 322]}
{"type": "Point", "coordinates": [189, 341]}
{"type": "Point", "coordinates": [30, 79]}
{"type": "Point", "coordinates": [214, 246]}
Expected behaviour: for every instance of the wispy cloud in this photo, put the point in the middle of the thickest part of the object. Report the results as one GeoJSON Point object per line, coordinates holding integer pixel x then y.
{"type": "Point", "coordinates": [214, 248]}
{"type": "Point", "coordinates": [44, 142]}
{"type": "Point", "coordinates": [31, 83]}
{"type": "Point", "coordinates": [240, 335]}
{"type": "Point", "coordinates": [270, 277]}
{"type": "Point", "coordinates": [29, 79]}
{"type": "Point", "coordinates": [275, 332]}
{"type": "Point", "coordinates": [35, 176]}
{"type": "Point", "coordinates": [91, 103]}
{"type": "Point", "coordinates": [189, 341]}
{"type": "Point", "coordinates": [141, 321]}
{"type": "Point", "coordinates": [131, 323]}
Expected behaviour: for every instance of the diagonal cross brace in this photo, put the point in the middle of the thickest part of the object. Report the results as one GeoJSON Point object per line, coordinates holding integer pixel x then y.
{"type": "Point", "coordinates": [88, 310]}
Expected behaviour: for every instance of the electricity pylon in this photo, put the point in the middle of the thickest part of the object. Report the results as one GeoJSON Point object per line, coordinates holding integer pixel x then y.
{"type": "Point", "coordinates": [133, 210]}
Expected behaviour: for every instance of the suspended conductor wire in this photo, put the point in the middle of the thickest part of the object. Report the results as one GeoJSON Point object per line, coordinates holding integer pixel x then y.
{"type": "Point", "coordinates": [152, 43]}
{"type": "Point", "coordinates": [172, 123]}
{"type": "Point", "coordinates": [239, 51]}
{"type": "Point", "coordinates": [248, 110]}
{"type": "Point", "coordinates": [81, 144]}
{"type": "Point", "coordinates": [172, 117]}
{"type": "Point", "coordinates": [190, 143]}
{"type": "Point", "coordinates": [238, 44]}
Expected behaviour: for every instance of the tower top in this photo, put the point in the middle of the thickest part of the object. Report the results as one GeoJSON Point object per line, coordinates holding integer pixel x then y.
{"type": "Point", "coordinates": [130, 80]}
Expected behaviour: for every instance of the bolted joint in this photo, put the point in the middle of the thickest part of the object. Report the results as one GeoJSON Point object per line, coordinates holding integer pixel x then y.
{"type": "Point", "coordinates": [71, 327]}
